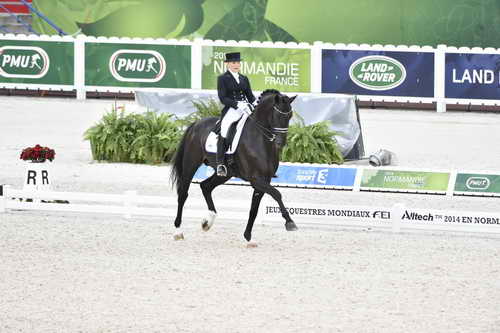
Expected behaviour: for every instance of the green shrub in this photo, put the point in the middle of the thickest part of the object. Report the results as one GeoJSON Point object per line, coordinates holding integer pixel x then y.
{"type": "Point", "coordinates": [311, 144]}
{"type": "Point", "coordinates": [112, 137]}
{"type": "Point", "coordinates": [156, 138]}
{"type": "Point", "coordinates": [153, 138]}
{"type": "Point", "coordinates": [211, 108]}
{"type": "Point", "coordinates": [136, 138]}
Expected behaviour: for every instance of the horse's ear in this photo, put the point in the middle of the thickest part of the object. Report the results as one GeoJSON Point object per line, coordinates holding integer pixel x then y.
{"type": "Point", "coordinates": [292, 99]}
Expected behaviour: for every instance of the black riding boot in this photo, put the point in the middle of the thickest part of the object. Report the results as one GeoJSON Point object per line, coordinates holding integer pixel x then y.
{"type": "Point", "coordinates": [219, 157]}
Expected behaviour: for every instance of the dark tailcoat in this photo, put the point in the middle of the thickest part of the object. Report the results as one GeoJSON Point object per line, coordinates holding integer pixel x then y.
{"type": "Point", "coordinates": [230, 92]}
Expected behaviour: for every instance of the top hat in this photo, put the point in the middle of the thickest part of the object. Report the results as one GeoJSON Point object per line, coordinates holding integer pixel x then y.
{"type": "Point", "coordinates": [235, 56]}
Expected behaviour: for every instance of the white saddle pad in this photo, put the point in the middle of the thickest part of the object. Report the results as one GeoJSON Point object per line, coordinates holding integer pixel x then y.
{"type": "Point", "coordinates": [211, 144]}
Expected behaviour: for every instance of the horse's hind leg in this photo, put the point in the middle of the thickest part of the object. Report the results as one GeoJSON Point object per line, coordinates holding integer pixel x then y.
{"type": "Point", "coordinates": [256, 198]}
{"type": "Point", "coordinates": [182, 194]}
{"type": "Point", "coordinates": [207, 186]}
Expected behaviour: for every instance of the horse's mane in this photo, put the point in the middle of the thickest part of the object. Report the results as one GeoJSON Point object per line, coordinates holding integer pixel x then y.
{"type": "Point", "coordinates": [267, 92]}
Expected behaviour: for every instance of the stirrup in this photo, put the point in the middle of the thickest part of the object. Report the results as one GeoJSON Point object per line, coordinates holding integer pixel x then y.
{"type": "Point", "coordinates": [221, 170]}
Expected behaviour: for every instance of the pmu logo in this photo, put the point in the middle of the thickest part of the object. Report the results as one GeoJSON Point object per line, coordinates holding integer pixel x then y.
{"type": "Point", "coordinates": [29, 62]}
{"type": "Point", "coordinates": [137, 66]}
{"type": "Point", "coordinates": [477, 183]}
{"type": "Point", "coordinates": [377, 72]}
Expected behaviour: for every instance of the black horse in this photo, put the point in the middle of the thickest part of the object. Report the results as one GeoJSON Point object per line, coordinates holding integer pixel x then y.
{"type": "Point", "coordinates": [255, 160]}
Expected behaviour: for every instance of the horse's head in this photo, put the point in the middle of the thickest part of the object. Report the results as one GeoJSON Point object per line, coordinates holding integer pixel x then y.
{"type": "Point", "coordinates": [275, 111]}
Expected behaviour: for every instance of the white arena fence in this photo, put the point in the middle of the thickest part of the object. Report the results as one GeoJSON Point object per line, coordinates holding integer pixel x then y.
{"type": "Point", "coordinates": [129, 204]}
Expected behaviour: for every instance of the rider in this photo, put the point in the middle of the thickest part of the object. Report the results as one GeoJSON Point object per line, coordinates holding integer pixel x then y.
{"type": "Point", "coordinates": [235, 94]}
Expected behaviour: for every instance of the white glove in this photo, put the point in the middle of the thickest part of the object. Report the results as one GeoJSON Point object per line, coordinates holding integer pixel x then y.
{"type": "Point", "coordinates": [241, 104]}
{"type": "Point", "coordinates": [255, 103]}
{"type": "Point", "coordinates": [246, 109]}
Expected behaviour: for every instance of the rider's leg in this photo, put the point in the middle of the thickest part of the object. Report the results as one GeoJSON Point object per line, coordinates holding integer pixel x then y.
{"type": "Point", "coordinates": [219, 157]}
{"type": "Point", "coordinates": [231, 116]}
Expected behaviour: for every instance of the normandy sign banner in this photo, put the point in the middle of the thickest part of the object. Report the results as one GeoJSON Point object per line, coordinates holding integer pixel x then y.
{"type": "Point", "coordinates": [137, 65]}
{"type": "Point", "coordinates": [288, 70]}
{"type": "Point", "coordinates": [36, 62]}
{"type": "Point", "coordinates": [404, 180]}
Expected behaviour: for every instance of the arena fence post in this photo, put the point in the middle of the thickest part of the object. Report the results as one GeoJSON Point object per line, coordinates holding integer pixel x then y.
{"type": "Point", "coordinates": [439, 78]}
{"type": "Point", "coordinates": [451, 183]}
{"type": "Point", "coordinates": [2, 200]}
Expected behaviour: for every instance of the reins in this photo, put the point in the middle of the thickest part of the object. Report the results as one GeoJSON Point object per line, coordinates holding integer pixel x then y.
{"type": "Point", "coordinates": [270, 133]}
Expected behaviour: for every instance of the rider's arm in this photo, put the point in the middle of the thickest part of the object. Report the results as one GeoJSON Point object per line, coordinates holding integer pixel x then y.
{"type": "Point", "coordinates": [223, 94]}
{"type": "Point", "coordinates": [248, 92]}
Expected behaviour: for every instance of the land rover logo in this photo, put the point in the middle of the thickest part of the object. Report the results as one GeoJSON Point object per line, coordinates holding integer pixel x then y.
{"type": "Point", "coordinates": [29, 62]}
{"type": "Point", "coordinates": [137, 66]}
{"type": "Point", "coordinates": [377, 73]}
{"type": "Point", "coordinates": [477, 183]}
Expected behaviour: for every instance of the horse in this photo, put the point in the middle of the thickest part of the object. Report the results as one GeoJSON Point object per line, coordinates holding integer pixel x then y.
{"type": "Point", "coordinates": [255, 160]}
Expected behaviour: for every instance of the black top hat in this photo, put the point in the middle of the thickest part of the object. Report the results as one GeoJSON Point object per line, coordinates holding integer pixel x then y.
{"type": "Point", "coordinates": [235, 56]}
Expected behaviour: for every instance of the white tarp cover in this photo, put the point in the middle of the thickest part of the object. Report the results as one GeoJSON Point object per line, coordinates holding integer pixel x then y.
{"type": "Point", "coordinates": [339, 109]}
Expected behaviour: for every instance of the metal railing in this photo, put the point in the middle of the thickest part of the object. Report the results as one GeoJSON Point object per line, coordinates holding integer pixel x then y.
{"type": "Point", "coordinates": [18, 19]}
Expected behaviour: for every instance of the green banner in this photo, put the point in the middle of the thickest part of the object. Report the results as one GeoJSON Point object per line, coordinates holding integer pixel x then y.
{"type": "Point", "coordinates": [137, 65]}
{"type": "Point", "coordinates": [37, 62]}
{"type": "Point", "coordinates": [476, 182]}
{"type": "Point", "coordinates": [288, 70]}
{"type": "Point", "coordinates": [405, 180]}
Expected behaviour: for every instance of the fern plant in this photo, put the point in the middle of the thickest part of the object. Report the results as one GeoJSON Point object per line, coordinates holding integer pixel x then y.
{"type": "Point", "coordinates": [211, 108]}
{"type": "Point", "coordinates": [156, 138]}
{"type": "Point", "coordinates": [311, 144]}
{"type": "Point", "coordinates": [136, 138]}
{"type": "Point", "coordinates": [111, 138]}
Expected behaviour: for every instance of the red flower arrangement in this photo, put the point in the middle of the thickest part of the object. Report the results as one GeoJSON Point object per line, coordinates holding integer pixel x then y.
{"type": "Point", "coordinates": [38, 154]}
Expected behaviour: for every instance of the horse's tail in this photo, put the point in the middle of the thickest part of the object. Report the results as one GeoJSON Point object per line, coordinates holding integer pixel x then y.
{"type": "Point", "coordinates": [178, 159]}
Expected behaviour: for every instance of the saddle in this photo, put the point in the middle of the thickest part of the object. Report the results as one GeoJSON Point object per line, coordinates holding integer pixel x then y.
{"type": "Point", "coordinates": [232, 139]}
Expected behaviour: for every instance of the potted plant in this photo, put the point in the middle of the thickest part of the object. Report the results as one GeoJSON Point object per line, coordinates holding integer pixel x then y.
{"type": "Point", "coordinates": [38, 154]}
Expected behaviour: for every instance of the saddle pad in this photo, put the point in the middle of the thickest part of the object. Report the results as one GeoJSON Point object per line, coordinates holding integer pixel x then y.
{"type": "Point", "coordinates": [211, 143]}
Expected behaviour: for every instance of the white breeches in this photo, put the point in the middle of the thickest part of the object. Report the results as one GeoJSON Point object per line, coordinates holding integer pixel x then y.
{"type": "Point", "coordinates": [231, 116]}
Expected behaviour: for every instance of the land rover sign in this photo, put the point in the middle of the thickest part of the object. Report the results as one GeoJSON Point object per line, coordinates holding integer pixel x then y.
{"type": "Point", "coordinates": [137, 66]}
{"type": "Point", "coordinates": [377, 72]}
{"type": "Point", "coordinates": [23, 62]}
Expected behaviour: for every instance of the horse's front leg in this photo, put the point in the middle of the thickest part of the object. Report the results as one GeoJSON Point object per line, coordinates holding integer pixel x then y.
{"type": "Point", "coordinates": [256, 198]}
{"type": "Point", "coordinates": [265, 186]}
{"type": "Point", "coordinates": [207, 186]}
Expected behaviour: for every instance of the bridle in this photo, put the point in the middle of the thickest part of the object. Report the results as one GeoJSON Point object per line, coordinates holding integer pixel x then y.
{"type": "Point", "coordinates": [271, 133]}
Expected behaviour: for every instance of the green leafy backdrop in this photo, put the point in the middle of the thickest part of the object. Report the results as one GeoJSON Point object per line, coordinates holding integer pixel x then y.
{"type": "Point", "coordinates": [410, 22]}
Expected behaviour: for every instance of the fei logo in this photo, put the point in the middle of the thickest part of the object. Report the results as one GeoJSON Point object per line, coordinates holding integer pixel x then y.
{"type": "Point", "coordinates": [377, 72]}
{"type": "Point", "coordinates": [28, 62]}
{"type": "Point", "coordinates": [137, 66]}
{"type": "Point", "coordinates": [322, 176]}
{"type": "Point", "coordinates": [477, 183]}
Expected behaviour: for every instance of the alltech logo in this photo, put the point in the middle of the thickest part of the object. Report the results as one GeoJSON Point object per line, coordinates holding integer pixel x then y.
{"type": "Point", "coordinates": [137, 66]}
{"type": "Point", "coordinates": [29, 62]}
{"type": "Point", "coordinates": [377, 72]}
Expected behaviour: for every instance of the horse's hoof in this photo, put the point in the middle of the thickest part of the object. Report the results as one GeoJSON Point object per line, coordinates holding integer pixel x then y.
{"type": "Point", "coordinates": [251, 245]}
{"type": "Point", "coordinates": [248, 236]}
{"type": "Point", "coordinates": [179, 236]}
{"type": "Point", "coordinates": [290, 226]}
{"type": "Point", "coordinates": [208, 221]}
